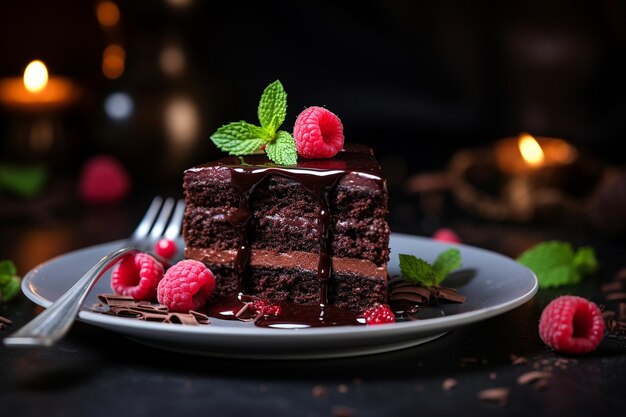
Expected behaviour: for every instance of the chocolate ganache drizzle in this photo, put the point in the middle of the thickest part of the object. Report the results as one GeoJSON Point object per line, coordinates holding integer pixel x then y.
{"type": "Point", "coordinates": [320, 178]}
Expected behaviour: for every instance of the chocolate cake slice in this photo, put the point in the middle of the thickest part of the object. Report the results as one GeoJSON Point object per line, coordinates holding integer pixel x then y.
{"type": "Point", "coordinates": [311, 233]}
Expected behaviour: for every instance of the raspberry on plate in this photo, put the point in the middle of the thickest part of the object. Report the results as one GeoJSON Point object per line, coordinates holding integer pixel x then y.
{"type": "Point", "coordinates": [571, 324]}
{"type": "Point", "coordinates": [187, 285]}
{"type": "Point", "coordinates": [318, 133]}
{"type": "Point", "coordinates": [165, 248]}
{"type": "Point", "coordinates": [446, 235]}
{"type": "Point", "coordinates": [137, 276]}
{"type": "Point", "coordinates": [379, 314]}
{"type": "Point", "coordinates": [103, 180]}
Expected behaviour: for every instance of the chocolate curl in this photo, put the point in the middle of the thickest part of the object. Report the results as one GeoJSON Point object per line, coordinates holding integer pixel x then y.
{"type": "Point", "coordinates": [114, 300]}
{"type": "Point", "coordinates": [448, 294]}
{"type": "Point", "coordinates": [182, 318]}
{"type": "Point", "coordinates": [125, 306]}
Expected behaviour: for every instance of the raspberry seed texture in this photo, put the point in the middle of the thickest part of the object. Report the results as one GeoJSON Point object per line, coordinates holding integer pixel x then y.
{"type": "Point", "coordinates": [187, 285]}
{"type": "Point", "coordinates": [318, 133]}
{"type": "Point", "coordinates": [571, 324]}
{"type": "Point", "coordinates": [379, 314]}
{"type": "Point", "coordinates": [137, 276]}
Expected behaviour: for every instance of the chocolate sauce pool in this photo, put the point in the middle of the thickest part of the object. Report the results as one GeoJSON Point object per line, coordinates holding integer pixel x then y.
{"type": "Point", "coordinates": [291, 316]}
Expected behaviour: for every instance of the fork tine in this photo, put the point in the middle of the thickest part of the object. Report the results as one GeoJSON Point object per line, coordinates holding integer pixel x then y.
{"type": "Point", "coordinates": [161, 222]}
{"type": "Point", "coordinates": [146, 223]}
{"type": "Point", "coordinates": [173, 230]}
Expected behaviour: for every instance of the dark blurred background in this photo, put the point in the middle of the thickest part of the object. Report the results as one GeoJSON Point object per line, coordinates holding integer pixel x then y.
{"type": "Point", "coordinates": [415, 80]}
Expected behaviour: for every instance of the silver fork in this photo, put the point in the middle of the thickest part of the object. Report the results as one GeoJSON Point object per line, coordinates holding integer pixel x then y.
{"type": "Point", "coordinates": [53, 323]}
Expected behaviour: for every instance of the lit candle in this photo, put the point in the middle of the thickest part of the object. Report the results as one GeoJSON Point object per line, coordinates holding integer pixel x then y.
{"type": "Point", "coordinates": [38, 91]}
{"type": "Point", "coordinates": [526, 154]}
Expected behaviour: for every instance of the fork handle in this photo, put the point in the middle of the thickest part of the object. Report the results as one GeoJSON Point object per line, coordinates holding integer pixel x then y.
{"type": "Point", "coordinates": [53, 323]}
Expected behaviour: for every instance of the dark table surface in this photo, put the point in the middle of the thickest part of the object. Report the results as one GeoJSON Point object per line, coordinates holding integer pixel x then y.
{"type": "Point", "coordinates": [96, 372]}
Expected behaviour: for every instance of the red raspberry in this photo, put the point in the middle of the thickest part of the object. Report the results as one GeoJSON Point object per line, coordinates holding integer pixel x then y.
{"type": "Point", "coordinates": [265, 308]}
{"type": "Point", "coordinates": [379, 314]}
{"type": "Point", "coordinates": [165, 248]}
{"type": "Point", "coordinates": [137, 276]}
{"type": "Point", "coordinates": [187, 285]}
{"type": "Point", "coordinates": [103, 180]}
{"type": "Point", "coordinates": [318, 133]}
{"type": "Point", "coordinates": [571, 324]}
{"type": "Point", "coordinates": [446, 235]}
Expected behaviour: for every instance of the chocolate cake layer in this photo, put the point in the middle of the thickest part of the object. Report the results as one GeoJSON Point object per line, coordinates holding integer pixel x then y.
{"type": "Point", "coordinates": [329, 213]}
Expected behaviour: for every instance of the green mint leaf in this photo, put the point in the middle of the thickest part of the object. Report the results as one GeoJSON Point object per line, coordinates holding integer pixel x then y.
{"type": "Point", "coordinates": [418, 270]}
{"type": "Point", "coordinates": [446, 262]}
{"type": "Point", "coordinates": [585, 261]}
{"type": "Point", "coordinates": [555, 263]}
{"type": "Point", "coordinates": [282, 150]}
{"type": "Point", "coordinates": [240, 138]}
{"type": "Point", "coordinates": [7, 267]}
{"type": "Point", "coordinates": [25, 181]}
{"type": "Point", "coordinates": [10, 289]}
{"type": "Point", "coordinates": [273, 107]}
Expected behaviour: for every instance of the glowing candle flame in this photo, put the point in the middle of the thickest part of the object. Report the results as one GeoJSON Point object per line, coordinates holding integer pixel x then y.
{"type": "Point", "coordinates": [530, 149]}
{"type": "Point", "coordinates": [35, 76]}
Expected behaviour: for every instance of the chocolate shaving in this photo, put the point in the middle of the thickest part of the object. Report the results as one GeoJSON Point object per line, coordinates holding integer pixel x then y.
{"type": "Point", "coordinates": [416, 298]}
{"type": "Point", "coordinates": [127, 307]}
{"type": "Point", "coordinates": [181, 318]}
{"type": "Point", "coordinates": [498, 395]}
{"type": "Point", "coordinates": [200, 317]}
{"type": "Point", "coordinates": [319, 391]}
{"type": "Point", "coordinates": [415, 293]}
{"type": "Point", "coordinates": [532, 376]}
{"type": "Point", "coordinates": [449, 383]}
{"type": "Point", "coordinates": [126, 312]}
{"type": "Point", "coordinates": [448, 294]}
{"type": "Point", "coordinates": [616, 296]}
{"type": "Point", "coordinates": [517, 360]}
{"type": "Point", "coordinates": [612, 286]}
{"type": "Point", "coordinates": [4, 323]}
{"type": "Point", "coordinates": [113, 300]}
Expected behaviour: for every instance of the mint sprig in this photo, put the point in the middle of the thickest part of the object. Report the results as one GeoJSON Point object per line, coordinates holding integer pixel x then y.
{"type": "Point", "coordinates": [556, 263]}
{"type": "Point", "coordinates": [24, 181]}
{"type": "Point", "coordinates": [9, 281]}
{"type": "Point", "coordinates": [419, 271]}
{"type": "Point", "coordinates": [243, 138]}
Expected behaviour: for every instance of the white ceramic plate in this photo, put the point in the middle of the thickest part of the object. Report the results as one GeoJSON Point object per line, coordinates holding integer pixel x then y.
{"type": "Point", "coordinates": [492, 283]}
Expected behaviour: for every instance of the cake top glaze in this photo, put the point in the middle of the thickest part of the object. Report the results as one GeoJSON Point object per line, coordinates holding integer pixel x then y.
{"type": "Point", "coordinates": [354, 158]}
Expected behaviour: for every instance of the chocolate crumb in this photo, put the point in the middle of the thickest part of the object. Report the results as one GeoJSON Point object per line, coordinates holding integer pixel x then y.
{"type": "Point", "coordinates": [319, 391]}
{"type": "Point", "coordinates": [517, 360]}
{"type": "Point", "coordinates": [499, 395]}
{"type": "Point", "coordinates": [449, 383]}
{"type": "Point", "coordinates": [5, 321]}
{"type": "Point", "coordinates": [341, 411]}
{"type": "Point", "coordinates": [343, 388]}
{"type": "Point", "coordinates": [611, 286]}
{"type": "Point", "coordinates": [532, 376]}
{"type": "Point", "coordinates": [616, 296]}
